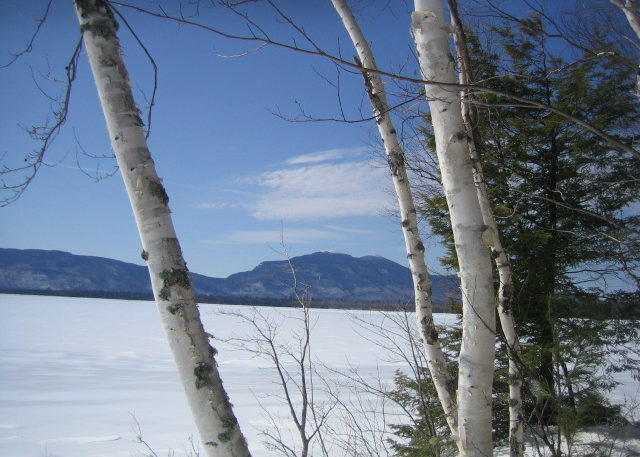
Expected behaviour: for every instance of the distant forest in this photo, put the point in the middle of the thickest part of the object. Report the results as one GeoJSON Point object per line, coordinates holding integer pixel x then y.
{"type": "Point", "coordinates": [289, 302]}
{"type": "Point", "coordinates": [622, 306]}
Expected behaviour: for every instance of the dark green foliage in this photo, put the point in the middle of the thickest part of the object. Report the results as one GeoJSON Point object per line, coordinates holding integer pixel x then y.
{"type": "Point", "coordinates": [563, 199]}
{"type": "Point", "coordinates": [561, 194]}
{"type": "Point", "coordinates": [427, 434]}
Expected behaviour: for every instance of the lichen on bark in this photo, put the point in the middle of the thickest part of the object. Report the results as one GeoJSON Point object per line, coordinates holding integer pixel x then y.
{"type": "Point", "coordinates": [202, 372]}
{"type": "Point", "coordinates": [173, 277]}
{"type": "Point", "coordinates": [157, 190]}
{"type": "Point", "coordinates": [104, 24]}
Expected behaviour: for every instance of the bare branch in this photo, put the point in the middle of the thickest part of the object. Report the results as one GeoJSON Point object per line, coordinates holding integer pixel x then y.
{"type": "Point", "coordinates": [45, 134]}
{"type": "Point", "coordinates": [29, 47]}
{"type": "Point", "coordinates": [314, 50]}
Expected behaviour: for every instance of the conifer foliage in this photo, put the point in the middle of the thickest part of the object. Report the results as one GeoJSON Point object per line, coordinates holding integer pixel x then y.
{"type": "Point", "coordinates": [563, 199]}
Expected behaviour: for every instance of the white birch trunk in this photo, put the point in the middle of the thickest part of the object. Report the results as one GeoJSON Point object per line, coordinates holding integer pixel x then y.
{"type": "Point", "coordinates": [476, 363]}
{"type": "Point", "coordinates": [445, 385]}
{"type": "Point", "coordinates": [194, 357]}
{"type": "Point", "coordinates": [505, 314]}
{"type": "Point", "coordinates": [631, 9]}
{"type": "Point", "coordinates": [503, 264]}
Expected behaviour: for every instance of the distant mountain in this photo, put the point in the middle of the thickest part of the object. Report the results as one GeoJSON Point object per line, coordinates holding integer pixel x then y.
{"type": "Point", "coordinates": [327, 275]}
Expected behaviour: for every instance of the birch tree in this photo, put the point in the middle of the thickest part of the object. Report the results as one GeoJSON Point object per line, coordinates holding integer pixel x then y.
{"type": "Point", "coordinates": [498, 252]}
{"type": "Point", "coordinates": [472, 236]}
{"type": "Point", "coordinates": [408, 215]}
{"type": "Point", "coordinates": [217, 425]}
{"type": "Point", "coordinates": [631, 10]}
{"type": "Point", "coordinates": [560, 196]}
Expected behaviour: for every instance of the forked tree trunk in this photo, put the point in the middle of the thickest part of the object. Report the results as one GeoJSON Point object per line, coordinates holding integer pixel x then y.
{"type": "Point", "coordinates": [471, 235]}
{"type": "Point", "coordinates": [498, 253]}
{"type": "Point", "coordinates": [442, 379]}
{"type": "Point", "coordinates": [194, 357]}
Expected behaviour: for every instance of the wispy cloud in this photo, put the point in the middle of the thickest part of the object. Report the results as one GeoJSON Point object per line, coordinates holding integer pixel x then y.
{"type": "Point", "coordinates": [291, 236]}
{"type": "Point", "coordinates": [323, 185]}
{"type": "Point", "coordinates": [323, 191]}
{"type": "Point", "coordinates": [349, 230]}
{"type": "Point", "coordinates": [324, 156]}
{"type": "Point", "coordinates": [220, 205]}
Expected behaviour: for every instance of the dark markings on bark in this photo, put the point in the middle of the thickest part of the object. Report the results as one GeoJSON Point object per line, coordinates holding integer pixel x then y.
{"type": "Point", "coordinates": [105, 61]}
{"type": "Point", "coordinates": [429, 331]}
{"type": "Point", "coordinates": [202, 372]}
{"type": "Point", "coordinates": [157, 190]}
{"type": "Point", "coordinates": [105, 27]}
{"type": "Point", "coordinates": [173, 277]}
{"type": "Point", "coordinates": [177, 309]}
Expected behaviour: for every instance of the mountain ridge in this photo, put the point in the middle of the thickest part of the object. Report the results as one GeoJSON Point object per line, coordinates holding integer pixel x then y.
{"type": "Point", "coordinates": [323, 275]}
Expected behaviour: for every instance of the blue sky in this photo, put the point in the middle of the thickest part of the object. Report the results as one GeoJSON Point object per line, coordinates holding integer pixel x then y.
{"type": "Point", "coordinates": [238, 176]}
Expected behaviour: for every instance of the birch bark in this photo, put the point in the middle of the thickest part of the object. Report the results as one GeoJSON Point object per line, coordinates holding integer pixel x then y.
{"type": "Point", "coordinates": [194, 357]}
{"type": "Point", "coordinates": [476, 363]}
{"type": "Point", "coordinates": [498, 253]}
{"type": "Point", "coordinates": [443, 381]}
{"type": "Point", "coordinates": [631, 10]}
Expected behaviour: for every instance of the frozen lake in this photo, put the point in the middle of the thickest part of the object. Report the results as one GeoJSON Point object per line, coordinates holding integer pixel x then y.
{"type": "Point", "coordinates": [74, 372]}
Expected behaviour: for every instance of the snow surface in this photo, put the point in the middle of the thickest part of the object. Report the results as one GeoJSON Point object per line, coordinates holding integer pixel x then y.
{"type": "Point", "coordinates": [75, 372]}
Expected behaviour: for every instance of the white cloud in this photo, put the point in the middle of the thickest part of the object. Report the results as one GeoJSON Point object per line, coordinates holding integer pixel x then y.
{"type": "Point", "coordinates": [349, 230]}
{"type": "Point", "coordinates": [291, 236]}
{"type": "Point", "coordinates": [324, 156]}
{"type": "Point", "coordinates": [220, 205]}
{"type": "Point", "coordinates": [318, 186]}
{"type": "Point", "coordinates": [322, 191]}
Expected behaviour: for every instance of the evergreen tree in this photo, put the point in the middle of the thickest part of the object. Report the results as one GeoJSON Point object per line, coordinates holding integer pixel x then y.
{"type": "Point", "coordinates": [426, 434]}
{"type": "Point", "coordinates": [563, 198]}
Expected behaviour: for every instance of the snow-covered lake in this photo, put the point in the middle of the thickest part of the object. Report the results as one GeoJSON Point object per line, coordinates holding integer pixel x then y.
{"type": "Point", "coordinates": [74, 372]}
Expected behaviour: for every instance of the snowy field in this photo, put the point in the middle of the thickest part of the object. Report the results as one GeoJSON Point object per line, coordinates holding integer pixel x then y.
{"type": "Point", "coordinates": [74, 372]}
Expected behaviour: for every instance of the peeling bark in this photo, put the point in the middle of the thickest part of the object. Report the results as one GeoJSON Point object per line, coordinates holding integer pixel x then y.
{"type": "Point", "coordinates": [476, 362]}
{"type": "Point", "coordinates": [498, 253]}
{"type": "Point", "coordinates": [415, 247]}
{"type": "Point", "coordinates": [194, 357]}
